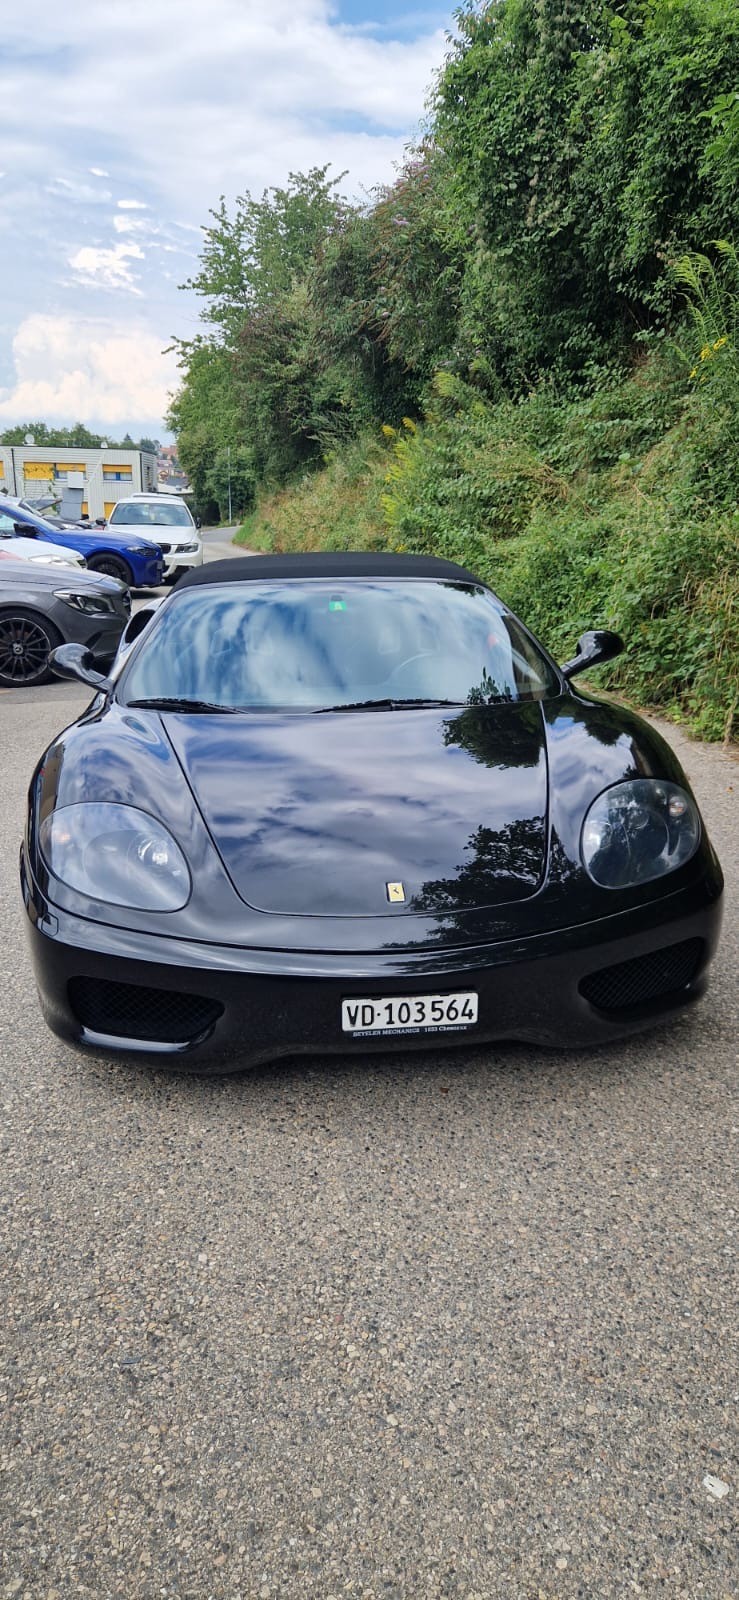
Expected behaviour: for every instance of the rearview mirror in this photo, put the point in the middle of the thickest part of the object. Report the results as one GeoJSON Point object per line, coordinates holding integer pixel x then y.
{"type": "Point", "coordinates": [593, 647]}
{"type": "Point", "coordinates": [75, 661]}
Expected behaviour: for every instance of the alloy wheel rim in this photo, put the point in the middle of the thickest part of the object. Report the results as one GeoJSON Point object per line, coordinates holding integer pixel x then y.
{"type": "Point", "coordinates": [24, 649]}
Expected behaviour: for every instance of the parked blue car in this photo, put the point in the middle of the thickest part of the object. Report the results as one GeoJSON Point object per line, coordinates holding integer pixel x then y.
{"type": "Point", "coordinates": [135, 561]}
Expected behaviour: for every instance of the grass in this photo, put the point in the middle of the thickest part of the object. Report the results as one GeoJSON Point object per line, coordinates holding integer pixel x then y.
{"type": "Point", "coordinates": [337, 508]}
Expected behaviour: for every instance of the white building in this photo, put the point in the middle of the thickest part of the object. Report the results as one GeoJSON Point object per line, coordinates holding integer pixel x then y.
{"type": "Point", "coordinates": [87, 482]}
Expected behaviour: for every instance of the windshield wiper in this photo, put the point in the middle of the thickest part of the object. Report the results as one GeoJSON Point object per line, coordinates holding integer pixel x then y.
{"type": "Point", "coordinates": [386, 705]}
{"type": "Point", "coordinates": [165, 704]}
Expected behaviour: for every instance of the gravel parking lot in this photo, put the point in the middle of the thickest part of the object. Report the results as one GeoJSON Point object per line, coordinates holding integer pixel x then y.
{"type": "Point", "coordinates": [457, 1326]}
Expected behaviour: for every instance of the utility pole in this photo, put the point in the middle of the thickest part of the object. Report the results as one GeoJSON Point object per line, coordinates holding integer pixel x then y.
{"type": "Point", "coordinates": [228, 449]}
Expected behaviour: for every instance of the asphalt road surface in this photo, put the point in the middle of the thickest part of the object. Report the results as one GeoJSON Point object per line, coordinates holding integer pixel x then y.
{"type": "Point", "coordinates": [459, 1326]}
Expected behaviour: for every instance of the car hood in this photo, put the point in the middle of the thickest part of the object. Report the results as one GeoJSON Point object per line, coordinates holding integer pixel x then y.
{"type": "Point", "coordinates": [40, 575]}
{"type": "Point", "coordinates": [43, 552]}
{"type": "Point", "coordinates": [318, 814]}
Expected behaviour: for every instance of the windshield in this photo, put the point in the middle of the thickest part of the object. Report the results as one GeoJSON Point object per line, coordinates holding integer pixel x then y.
{"type": "Point", "coordinates": [143, 514]}
{"type": "Point", "coordinates": [325, 644]}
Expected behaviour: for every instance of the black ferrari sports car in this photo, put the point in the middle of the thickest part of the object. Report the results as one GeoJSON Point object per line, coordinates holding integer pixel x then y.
{"type": "Point", "coordinates": [346, 803]}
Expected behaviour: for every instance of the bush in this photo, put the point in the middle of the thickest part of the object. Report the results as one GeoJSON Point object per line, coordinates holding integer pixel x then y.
{"type": "Point", "coordinates": [593, 512]}
{"type": "Point", "coordinates": [336, 509]}
{"type": "Point", "coordinates": [640, 534]}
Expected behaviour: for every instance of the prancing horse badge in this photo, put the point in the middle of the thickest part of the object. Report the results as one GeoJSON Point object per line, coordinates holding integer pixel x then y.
{"type": "Point", "coordinates": [395, 892]}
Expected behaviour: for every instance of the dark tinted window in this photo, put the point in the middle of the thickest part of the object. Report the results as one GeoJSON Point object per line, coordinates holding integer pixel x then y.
{"type": "Point", "coordinates": [322, 643]}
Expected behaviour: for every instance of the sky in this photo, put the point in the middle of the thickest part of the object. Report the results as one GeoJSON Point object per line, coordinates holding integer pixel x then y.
{"type": "Point", "coordinates": [122, 125]}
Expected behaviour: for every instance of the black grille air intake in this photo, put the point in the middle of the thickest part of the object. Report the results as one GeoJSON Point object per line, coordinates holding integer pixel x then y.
{"type": "Point", "coordinates": [129, 1011]}
{"type": "Point", "coordinates": [650, 977]}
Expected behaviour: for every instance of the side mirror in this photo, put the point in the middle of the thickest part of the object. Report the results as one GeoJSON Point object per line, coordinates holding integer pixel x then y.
{"type": "Point", "coordinates": [592, 648]}
{"type": "Point", "coordinates": [26, 530]}
{"type": "Point", "coordinates": [75, 661]}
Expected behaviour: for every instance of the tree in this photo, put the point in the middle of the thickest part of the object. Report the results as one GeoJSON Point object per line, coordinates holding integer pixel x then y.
{"type": "Point", "coordinates": [77, 437]}
{"type": "Point", "coordinates": [252, 259]}
{"type": "Point", "coordinates": [206, 419]}
{"type": "Point", "coordinates": [255, 384]}
{"type": "Point", "coordinates": [577, 135]}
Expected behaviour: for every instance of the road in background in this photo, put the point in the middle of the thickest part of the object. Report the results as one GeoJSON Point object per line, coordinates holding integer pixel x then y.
{"type": "Point", "coordinates": [459, 1327]}
{"type": "Point", "coordinates": [218, 546]}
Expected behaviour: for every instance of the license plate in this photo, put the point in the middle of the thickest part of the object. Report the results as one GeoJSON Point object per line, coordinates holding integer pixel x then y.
{"type": "Point", "coordinates": [409, 1013]}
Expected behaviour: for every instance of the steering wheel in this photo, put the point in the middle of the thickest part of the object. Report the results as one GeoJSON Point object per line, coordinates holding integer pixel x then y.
{"type": "Point", "coordinates": [421, 655]}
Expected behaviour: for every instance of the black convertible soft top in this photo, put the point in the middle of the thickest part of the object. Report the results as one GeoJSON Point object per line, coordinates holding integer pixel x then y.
{"type": "Point", "coordinates": [326, 564]}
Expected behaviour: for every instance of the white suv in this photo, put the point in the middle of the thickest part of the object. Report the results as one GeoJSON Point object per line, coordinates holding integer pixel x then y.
{"type": "Point", "coordinates": [167, 522]}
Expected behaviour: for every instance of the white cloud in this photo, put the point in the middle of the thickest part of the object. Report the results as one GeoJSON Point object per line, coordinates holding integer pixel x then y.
{"type": "Point", "coordinates": [81, 193]}
{"type": "Point", "coordinates": [107, 269]}
{"type": "Point", "coordinates": [238, 96]}
{"type": "Point", "coordinates": [90, 371]}
{"type": "Point", "coordinates": [126, 224]}
{"type": "Point", "coordinates": [246, 94]}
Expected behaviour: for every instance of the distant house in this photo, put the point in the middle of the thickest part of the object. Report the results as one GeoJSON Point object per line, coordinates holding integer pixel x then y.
{"type": "Point", "coordinates": [169, 472]}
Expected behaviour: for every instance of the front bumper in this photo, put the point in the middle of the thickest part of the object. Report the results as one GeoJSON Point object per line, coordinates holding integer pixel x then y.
{"type": "Point", "coordinates": [148, 571]}
{"type": "Point", "coordinates": [251, 1006]}
{"type": "Point", "coordinates": [105, 644]}
{"type": "Point", "coordinates": [101, 634]}
{"type": "Point", "coordinates": [177, 562]}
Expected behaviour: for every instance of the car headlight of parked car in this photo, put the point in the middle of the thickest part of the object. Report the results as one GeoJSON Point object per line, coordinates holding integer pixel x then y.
{"type": "Point", "coordinates": [55, 561]}
{"type": "Point", "coordinates": [92, 604]}
{"type": "Point", "coordinates": [637, 831]}
{"type": "Point", "coordinates": [117, 854]}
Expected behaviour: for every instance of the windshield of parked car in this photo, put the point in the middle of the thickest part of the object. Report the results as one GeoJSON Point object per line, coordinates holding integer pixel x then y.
{"type": "Point", "coordinates": [324, 644]}
{"type": "Point", "coordinates": [146, 515]}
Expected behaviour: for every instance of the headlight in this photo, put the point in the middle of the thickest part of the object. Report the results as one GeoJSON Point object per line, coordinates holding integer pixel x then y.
{"type": "Point", "coordinates": [638, 831]}
{"type": "Point", "coordinates": [57, 561]}
{"type": "Point", "coordinates": [116, 854]}
{"type": "Point", "coordinates": [93, 604]}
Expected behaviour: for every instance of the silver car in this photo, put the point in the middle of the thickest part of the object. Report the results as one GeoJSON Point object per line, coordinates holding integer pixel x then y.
{"type": "Point", "coordinates": [45, 606]}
